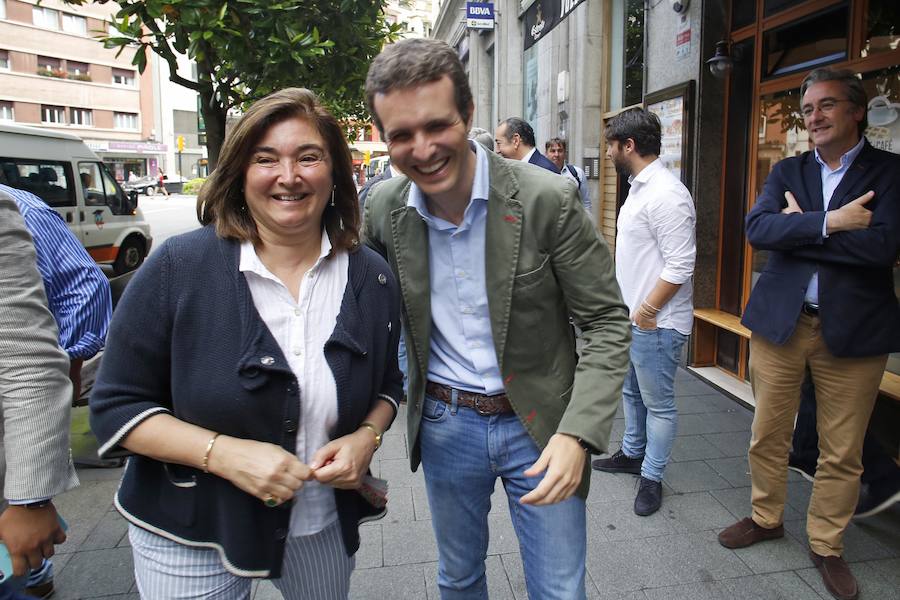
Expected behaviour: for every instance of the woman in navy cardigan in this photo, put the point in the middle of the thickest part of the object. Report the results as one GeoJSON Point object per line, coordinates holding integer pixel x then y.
{"type": "Point", "coordinates": [251, 369]}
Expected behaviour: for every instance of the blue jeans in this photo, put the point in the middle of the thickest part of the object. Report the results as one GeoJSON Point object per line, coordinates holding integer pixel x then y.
{"type": "Point", "coordinates": [402, 361]}
{"type": "Point", "coordinates": [648, 398]}
{"type": "Point", "coordinates": [463, 453]}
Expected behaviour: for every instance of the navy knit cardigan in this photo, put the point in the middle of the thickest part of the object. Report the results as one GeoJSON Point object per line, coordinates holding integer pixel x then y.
{"type": "Point", "coordinates": [186, 339]}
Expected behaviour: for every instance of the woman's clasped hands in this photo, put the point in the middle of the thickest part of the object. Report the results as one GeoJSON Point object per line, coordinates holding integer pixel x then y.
{"type": "Point", "coordinates": [274, 475]}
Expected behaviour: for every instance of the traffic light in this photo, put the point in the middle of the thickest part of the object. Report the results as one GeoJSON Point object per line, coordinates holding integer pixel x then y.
{"type": "Point", "coordinates": [367, 158]}
{"type": "Point", "coordinates": [179, 141]}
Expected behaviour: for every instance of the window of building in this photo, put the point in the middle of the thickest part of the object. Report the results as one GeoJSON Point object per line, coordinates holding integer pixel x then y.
{"type": "Point", "coordinates": [123, 77]}
{"type": "Point", "coordinates": [4, 60]}
{"type": "Point", "coordinates": [2, 9]}
{"type": "Point", "coordinates": [78, 70]}
{"type": "Point", "coordinates": [50, 67]}
{"type": "Point", "coordinates": [882, 27]}
{"type": "Point", "coordinates": [74, 24]}
{"type": "Point", "coordinates": [45, 17]}
{"type": "Point", "coordinates": [7, 111]}
{"type": "Point", "coordinates": [633, 72]}
{"type": "Point", "coordinates": [125, 120]}
{"type": "Point", "coordinates": [81, 116]}
{"type": "Point", "coordinates": [802, 45]}
{"type": "Point", "coordinates": [53, 114]}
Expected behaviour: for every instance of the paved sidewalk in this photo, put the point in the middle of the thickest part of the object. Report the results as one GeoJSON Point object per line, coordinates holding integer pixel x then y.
{"type": "Point", "coordinates": [670, 555]}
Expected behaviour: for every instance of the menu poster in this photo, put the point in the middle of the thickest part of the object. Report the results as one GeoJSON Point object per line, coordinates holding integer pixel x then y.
{"type": "Point", "coordinates": [670, 113]}
{"type": "Point", "coordinates": [674, 107]}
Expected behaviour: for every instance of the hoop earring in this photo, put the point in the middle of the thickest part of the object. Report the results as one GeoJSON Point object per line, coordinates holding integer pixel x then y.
{"type": "Point", "coordinates": [332, 195]}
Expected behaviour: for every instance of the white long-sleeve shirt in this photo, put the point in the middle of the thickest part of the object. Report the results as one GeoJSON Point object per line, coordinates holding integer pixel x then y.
{"type": "Point", "coordinates": [301, 329]}
{"type": "Point", "coordinates": [657, 240]}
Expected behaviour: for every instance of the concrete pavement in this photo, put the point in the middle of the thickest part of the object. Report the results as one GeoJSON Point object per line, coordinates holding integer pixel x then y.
{"type": "Point", "coordinates": [670, 555]}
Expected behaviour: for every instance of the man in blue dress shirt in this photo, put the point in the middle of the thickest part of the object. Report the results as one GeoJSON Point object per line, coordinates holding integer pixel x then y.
{"type": "Point", "coordinates": [79, 297]}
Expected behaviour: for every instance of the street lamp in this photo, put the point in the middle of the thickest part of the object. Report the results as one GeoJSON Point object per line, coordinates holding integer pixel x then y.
{"type": "Point", "coordinates": [722, 63]}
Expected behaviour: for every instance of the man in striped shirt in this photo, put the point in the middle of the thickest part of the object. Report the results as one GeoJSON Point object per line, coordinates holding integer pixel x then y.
{"type": "Point", "coordinates": [79, 297]}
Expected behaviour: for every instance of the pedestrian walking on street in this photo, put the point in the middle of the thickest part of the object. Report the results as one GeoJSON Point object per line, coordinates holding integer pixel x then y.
{"type": "Point", "coordinates": [251, 370]}
{"type": "Point", "coordinates": [493, 256]}
{"type": "Point", "coordinates": [162, 182]}
{"type": "Point", "coordinates": [829, 220]}
{"type": "Point", "coordinates": [655, 252]}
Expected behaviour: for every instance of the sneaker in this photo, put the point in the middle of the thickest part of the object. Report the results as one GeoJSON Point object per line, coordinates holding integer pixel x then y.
{"type": "Point", "coordinates": [806, 470]}
{"type": "Point", "coordinates": [619, 463]}
{"type": "Point", "coordinates": [874, 499]}
{"type": "Point", "coordinates": [649, 497]}
{"type": "Point", "coordinates": [40, 581]}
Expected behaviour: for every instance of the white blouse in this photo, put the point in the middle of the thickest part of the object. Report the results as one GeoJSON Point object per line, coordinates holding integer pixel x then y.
{"type": "Point", "coordinates": [301, 329]}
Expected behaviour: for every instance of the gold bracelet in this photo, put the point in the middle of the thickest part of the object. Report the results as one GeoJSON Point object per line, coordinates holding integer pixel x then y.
{"type": "Point", "coordinates": [209, 447]}
{"type": "Point", "coordinates": [371, 427]}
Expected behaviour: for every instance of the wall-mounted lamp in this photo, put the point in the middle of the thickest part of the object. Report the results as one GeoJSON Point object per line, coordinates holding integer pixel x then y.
{"type": "Point", "coordinates": [721, 64]}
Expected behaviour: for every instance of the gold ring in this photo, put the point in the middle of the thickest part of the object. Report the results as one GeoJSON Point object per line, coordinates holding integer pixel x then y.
{"type": "Point", "coordinates": [270, 501]}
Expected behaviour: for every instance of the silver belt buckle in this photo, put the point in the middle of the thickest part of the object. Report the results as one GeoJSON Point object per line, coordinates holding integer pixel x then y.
{"type": "Point", "coordinates": [477, 407]}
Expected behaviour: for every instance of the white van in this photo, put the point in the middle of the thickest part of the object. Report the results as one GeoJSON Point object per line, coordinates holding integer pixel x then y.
{"type": "Point", "coordinates": [61, 170]}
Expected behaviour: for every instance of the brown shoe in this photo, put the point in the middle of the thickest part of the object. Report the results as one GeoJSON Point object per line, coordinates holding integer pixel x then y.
{"type": "Point", "coordinates": [836, 576]}
{"type": "Point", "coordinates": [746, 533]}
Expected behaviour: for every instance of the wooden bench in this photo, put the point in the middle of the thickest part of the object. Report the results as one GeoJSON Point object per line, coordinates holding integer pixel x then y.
{"type": "Point", "coordinates": [707, 320]}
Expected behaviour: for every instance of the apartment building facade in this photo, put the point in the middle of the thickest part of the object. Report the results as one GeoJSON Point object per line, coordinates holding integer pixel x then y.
{"type": "Point", "coordinates": [55, 74]}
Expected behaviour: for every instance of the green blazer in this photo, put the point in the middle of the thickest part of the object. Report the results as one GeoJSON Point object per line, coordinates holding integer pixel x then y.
{"type": "Point", "coordinates": [544, 261]}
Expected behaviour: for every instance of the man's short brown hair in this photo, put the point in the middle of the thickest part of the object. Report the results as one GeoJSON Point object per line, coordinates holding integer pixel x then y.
{"type": "Point", "coordinates": [221, 200]}
{"type": "Point", "coordinates": [556, 140]}
{"type": "Point", "coordinates": [416, 61]}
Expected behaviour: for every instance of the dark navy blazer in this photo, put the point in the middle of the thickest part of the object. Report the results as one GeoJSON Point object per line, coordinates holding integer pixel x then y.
{"type": "Point", "coordinates": [542, 161]}
{"type": "Point", "coordinates": [859, 312]}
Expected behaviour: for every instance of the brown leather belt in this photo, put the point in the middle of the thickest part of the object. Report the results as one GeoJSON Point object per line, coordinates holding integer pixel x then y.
{"type": "Point", "coordinates": [483, 404]}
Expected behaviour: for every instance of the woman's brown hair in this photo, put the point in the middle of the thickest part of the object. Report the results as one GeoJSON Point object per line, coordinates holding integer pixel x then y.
{"type": "Point", "coordinates": [221, 199]}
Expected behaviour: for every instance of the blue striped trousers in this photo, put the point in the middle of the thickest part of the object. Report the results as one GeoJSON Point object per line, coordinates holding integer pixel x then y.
{"type": "Point", "coordinates": [315, 567]}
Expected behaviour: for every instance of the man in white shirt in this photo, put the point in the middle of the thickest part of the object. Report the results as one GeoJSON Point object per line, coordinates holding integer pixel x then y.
{"type": "Point", "coordinates": [655, 252]}
{"type": "Point", "coordinates": [557, 153]}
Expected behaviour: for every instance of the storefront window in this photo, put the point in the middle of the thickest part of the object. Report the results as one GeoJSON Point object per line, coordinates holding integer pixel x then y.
{"type": "Point", "coordinates": [811, 42]}
{"type": "Point", "coordinates": [883, 89]}
{"type": "Point", "coordinates": [781, 135]}
{"type": "Point", "coordinates": [882, 27]}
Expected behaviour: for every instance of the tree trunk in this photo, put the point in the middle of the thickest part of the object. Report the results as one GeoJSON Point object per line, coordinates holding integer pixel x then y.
{"type": "Point", "coordinates": [214, 117]}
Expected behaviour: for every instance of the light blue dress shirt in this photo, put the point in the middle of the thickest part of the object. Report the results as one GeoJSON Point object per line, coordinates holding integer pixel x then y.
{"type": "Point", "coordinates": [830, 181]}
{"type": "Point", "coordinates": [462, 344]}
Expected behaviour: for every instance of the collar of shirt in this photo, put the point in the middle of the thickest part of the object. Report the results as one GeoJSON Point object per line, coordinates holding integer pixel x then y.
{"type": "Point", "coordinates": [250, 261]}
{"type": "Point", "coordinates": [528, 156]}
{"type": "Point", "coordinates": [846, 160]}
{"type": "Point", "coordinates": [646, 173]}
{"type": "Point", "coordinates": [481, 187]}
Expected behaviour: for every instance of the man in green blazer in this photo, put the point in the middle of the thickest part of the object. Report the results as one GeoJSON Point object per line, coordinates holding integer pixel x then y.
{"type": "Point", "coordinates": [493, 257]}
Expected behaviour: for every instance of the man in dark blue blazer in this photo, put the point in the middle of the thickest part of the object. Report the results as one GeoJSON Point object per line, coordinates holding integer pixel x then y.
{"type": "Point", "coordinates": [514, 139]}
{"type": "Point", "coordinates": [830, 222]}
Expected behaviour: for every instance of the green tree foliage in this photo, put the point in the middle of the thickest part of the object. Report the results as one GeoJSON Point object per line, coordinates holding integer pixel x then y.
{"type": "Point", "coordinates": [245, 49]}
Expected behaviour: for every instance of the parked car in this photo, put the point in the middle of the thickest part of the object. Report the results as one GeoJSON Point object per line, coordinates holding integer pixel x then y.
{"type": "Point", "coordinates": [142, 185]}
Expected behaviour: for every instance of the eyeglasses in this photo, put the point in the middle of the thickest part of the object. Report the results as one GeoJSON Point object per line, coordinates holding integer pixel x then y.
{"type": "Point", "coordinates": [825, 107]}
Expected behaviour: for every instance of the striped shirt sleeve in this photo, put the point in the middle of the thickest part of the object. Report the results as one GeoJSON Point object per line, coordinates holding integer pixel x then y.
{"type": "Point", "coordinates": [77, 290]}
